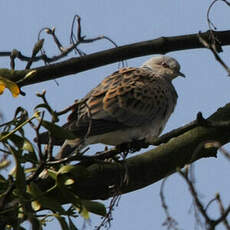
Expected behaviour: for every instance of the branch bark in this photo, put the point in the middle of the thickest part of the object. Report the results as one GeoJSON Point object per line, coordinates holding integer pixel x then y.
{"type": "Point", "coordinates": [160, 45]}
{"type": "Point", "coordinates": [105, 179]}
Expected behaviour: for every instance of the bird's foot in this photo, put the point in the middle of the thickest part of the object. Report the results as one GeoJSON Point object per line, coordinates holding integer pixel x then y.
{"type": "Point", "coordinates": [132, 147]}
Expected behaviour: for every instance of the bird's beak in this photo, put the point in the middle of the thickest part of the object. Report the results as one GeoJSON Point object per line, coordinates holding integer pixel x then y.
{"type": "Point", "coordinates": [181, 74]}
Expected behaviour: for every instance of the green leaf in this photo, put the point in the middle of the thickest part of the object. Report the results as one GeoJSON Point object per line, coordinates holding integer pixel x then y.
{"type": "Point", "coordinates": [44, 106]}
{"type": "Point", "coordinates": [23, 143]}
{"type": "Point", "coordinates": [52, 204]}
{"type": "Point", "coordinates": [77, 171]}
{"type": "Point", "coordinates": [20, 174]}
{"type": "Point", "coordinates": [77, 202]}
{"type": "Point", "coordinates": [52, 174]}
{"type": "Point", "coordinates": [21, 112]}
{"type": "Point", "coordinates": [4, 186]}
{"type": "Point", "coordinates": [17, 140]}
{"type": "Point", "coordinates": [57, 131]}
{"type": "Point", "coordinates": [29, 157]}
{"type": "Point", "coordinates": [73, 172]}
{"type": "Point", "coordinates": [20, 178]}
{"type": "Point", "coordinates": [34, 190]}
{"type": "Point", "coordinates": [84, 213]}
{"type": "Point", "coordinates": [66, 169]}
{"type": "Point", "coordinates": [28, 146]}
{"type": "Point", "coordinates": [94, 207]}
{"type": "Point", "coordinates": [19, 127]}
{"type": "Point", "coordinates": [42, 201]}
{"type": "Point", "coordinates": [71, 197]}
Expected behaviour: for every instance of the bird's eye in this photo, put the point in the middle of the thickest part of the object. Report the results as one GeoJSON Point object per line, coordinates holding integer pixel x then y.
{"type": "Point", "coordinates": [165, 65]}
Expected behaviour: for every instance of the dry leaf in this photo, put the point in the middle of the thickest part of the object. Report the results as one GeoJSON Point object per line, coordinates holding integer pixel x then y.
{"type": "Point", "coordinates": [12, 86]}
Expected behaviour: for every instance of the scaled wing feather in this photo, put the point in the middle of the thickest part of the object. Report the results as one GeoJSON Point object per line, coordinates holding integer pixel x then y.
{"type": "Point", "coordinates": [129, 97]}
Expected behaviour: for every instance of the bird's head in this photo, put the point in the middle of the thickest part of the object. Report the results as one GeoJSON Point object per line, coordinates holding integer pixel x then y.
{"type": "Point", "coordinates": [165, 65]}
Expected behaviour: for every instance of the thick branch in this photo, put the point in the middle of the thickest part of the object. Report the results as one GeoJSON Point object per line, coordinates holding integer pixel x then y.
{"type": "Point", "coordinates": [106, 178]}
{"type": "Point", "coordinates": [160, 45]}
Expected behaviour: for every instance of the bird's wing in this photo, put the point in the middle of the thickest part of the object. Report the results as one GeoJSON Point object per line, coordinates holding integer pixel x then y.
{"type": "Point", "coordinates": [129, 97]}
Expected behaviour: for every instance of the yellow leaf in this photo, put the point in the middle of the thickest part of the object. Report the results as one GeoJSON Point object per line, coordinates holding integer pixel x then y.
{"type": "Point", "coordinates": [69, 181]}
{"type": "Point", "coordinates": [36, 205]}
{"type": "Point", "coordinates": [12, 86]}
{"type": "Point", "coordinates": [2, 87]}
{"type": "Point", "coordinates": [4, 164]}
{"type": "Point", "coordinates": [84, 213]}
{"type": "Point", "coordinates": [28, 146]}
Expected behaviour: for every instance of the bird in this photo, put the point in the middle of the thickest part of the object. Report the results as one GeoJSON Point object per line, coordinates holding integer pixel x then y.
{"type": "Point", "coordinates": [133, 103]}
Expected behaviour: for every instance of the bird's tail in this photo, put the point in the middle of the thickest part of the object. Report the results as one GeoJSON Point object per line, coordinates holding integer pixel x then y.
{"type": "Point", "coordinates": [69, 147]}
{"type": "Point", "coordinates": [44, 139]}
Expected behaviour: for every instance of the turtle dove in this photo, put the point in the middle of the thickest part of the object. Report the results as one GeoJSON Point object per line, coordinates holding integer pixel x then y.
{"type": "Point", "coordinates": [130, 104]}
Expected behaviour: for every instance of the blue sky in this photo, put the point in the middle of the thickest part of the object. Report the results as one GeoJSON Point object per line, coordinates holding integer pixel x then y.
{"type": "Point", "coordinates": [205, 89]}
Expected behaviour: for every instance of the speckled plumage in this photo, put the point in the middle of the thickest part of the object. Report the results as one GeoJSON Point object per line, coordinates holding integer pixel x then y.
{"type": "Point", "coordinates": [131, 103]}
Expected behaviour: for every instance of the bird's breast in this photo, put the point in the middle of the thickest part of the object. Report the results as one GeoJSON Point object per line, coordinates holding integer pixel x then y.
{"type": "Point", "coordinates": [147, 132]}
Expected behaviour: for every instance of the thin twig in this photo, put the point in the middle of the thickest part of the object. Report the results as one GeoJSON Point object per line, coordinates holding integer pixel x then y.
{"type": "Point", "coordinates": [37, 128]}
{"type": "Point", "coordinates": [37, 47]}
{"type": "Point", "coordinates": [63, 51]}
{"type": "Point", "coordinates": [223, 212]}
{"type": "Point", "coordinates": [170, 222]}
{"type": "Point", "coordinates": [198, 203]}
{"type": "Point", "coordinates": [78, 156]}
{"type": "Point", "coordinates": [209, 203]}
{"type": "Point", "coordinates": [66, 110]}
{"type": "Point", "coordinates": [223, 216]}
{"type": "Point", "coordinates": [48, 107]}
{"type": "Point", "coordinates": [52, 33]}
{"type": "Point", "coordinates": [213, 50]}
{"type": "Point", "coordinates": [224, 152]}
{"type": "Point", "coordinates": [210, 23]}
{"type": "Point", "coordinates": [108, 218]}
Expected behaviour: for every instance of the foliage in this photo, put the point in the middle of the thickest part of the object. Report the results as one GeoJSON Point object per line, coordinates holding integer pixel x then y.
{"type": "Point", "coordinates": [21, 198]}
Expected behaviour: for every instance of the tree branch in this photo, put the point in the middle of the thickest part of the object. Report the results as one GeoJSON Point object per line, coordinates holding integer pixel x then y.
{"type": "Point", "coordinates": [144, 169]}
{"type": "Point", "coordinates": [160, 45]}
